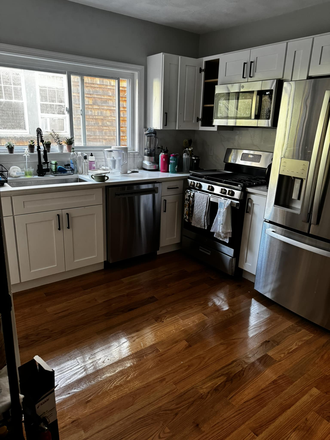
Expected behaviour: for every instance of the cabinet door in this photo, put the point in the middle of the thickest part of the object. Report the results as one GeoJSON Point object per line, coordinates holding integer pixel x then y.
{"type": "Point", "coordinates": [190, 82]}
{"type": "Point", "coordinates": [252, 227]}
{"type": "Point", "coordinates": [267, 62]}
{"type": "Point", "coordinates": [40, 244]}
{"type": "Point", "coordinates": [170, 92]}
{"type": "Point", "coordinates": [320, 61]}
{"type": "Point", "coordinates": [83, 236]}
{"type": "Point", "coordinates": [11, 248]}
{"type": "Point", "coordinates": [210, 78]}
{"type": "Point", "coordinates": [234, 67]}
{"type": "Point", "coordinates": [297, 59]}
{"type": "Point", "coordinates": [170, 223]}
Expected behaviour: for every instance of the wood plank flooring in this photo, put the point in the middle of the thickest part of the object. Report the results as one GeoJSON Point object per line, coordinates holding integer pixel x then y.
{"type": "Point", "coordinates": [171, 349]}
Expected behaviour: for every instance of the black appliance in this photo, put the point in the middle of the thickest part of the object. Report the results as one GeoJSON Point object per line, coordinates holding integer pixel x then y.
{"type": "Point", "coordinates": [8, 335]}
{"type": "Point", "coordinates": [243, 169]}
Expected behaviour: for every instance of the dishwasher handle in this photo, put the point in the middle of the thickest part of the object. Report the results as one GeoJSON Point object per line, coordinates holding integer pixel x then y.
{"type": "Point", "coordinates": [137, 192]}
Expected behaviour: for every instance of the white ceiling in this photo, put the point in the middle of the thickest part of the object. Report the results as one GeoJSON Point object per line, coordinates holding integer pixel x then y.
{"type": "Point", "coordinates": [201, 16]}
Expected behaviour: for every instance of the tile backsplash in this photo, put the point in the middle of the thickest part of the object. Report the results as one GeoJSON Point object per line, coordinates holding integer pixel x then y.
{"type": "Point", "coordinates": [211, 146]}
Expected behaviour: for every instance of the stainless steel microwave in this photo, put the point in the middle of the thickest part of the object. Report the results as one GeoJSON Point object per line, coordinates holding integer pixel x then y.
{"type": "Point", "coordinates": [250, 104]}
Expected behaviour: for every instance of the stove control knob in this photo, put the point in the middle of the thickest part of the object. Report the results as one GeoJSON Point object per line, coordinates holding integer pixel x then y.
{"type": "Point", "coordinates": [231, 192]}
{"type": "Point", "coordinates": [210, 188]}
{"type": "Point", "coordinates": [223, 191]}
{"type": "Point", "coordinates": [198, 185]}
{"type": "Point", "coordinates": [192, 184]}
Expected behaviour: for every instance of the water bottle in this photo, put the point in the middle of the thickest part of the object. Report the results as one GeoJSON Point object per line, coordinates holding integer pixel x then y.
{"type": "Point", "coordinates": [174, 163]}
{"type": "Point", "coordinates": [80, 161]}
{"type": "Point", "coordinates": [186, 162]}
{"type": "Point", "coordinates": [85, 165]}
{"type": "Point", "coordinates": [73, 161]}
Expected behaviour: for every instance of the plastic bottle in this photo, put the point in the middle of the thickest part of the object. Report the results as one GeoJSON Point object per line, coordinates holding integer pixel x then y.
{"type": "Point", "coordinates": [91, 162]}
{"type": "Point", "coordinates": [174, 163]}
{"type": "Point", "coordinates": [186, 162]}
{"type": "Point", "coordinates": [85, 165]}
{"type": "Point", "coordinates": [73, 161]}
{"type": "Point", "coordinates": [80, 161]}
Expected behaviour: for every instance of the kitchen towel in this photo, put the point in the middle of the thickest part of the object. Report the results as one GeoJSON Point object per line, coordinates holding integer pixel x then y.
{"type": "Point", "coordinates": [200, 217]}
{"type": "Point", "coordinates": [222, 223]}
{"type": "Point", "coordinates": [188, 205]}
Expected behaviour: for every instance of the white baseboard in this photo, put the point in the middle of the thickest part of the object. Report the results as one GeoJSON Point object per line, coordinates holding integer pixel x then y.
{"type": "Point", "coordinates": [58, 277]}
{"type": "Point", "coordinates": [170, 248]}
{"type": "Point", "coordinates": [248, 276]}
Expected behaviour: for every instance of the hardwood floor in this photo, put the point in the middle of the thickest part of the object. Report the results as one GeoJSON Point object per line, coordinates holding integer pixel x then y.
{"type": "Point", "coordinates": [171, 349]}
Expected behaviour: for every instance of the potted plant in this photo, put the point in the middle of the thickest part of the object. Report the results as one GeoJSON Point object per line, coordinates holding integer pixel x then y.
{"type": "Point", "coordinates": [10, 147]}
{"type": "Point", "coordinates": [48, 145]}
{"type": "Point", "coordinates": [69, 142]}
{"type": "Point", "coordinates": [58, 141]}
{"type": "Point", "coordinates": [31, 146]}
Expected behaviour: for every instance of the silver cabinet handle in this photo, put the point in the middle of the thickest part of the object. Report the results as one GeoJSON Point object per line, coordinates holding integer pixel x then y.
{"type": "Point", "coordinates": [251, 71]}
{"type": "Point", "coordinates": [298, 244]}
{"type": "Point", "coordinates": [248, 205]}
{"type": "Point", "coordinates": [244, 69]}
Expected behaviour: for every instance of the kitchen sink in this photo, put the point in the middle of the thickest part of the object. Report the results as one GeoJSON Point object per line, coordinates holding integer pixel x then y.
{"type": "Point", "coordinates": [48, 180]}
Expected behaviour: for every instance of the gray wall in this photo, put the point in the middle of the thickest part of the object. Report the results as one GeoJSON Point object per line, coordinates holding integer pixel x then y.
{"type": "Point", "coordinates": [308, 21]}
{"type": "Point", "coordinates": [63, 26]}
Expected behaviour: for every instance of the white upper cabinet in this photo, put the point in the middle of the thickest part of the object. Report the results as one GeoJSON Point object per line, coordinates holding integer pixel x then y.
{"type": "Point", "coordinates": [234, 67]}
{"type": "Point", "coordinates": [320, 61]}
{"type": "Point", "coordinates": [297, 59]}
{"type": "Point", "coordinates": [162, 91]}
{"type": "Point", "coordinates": [173, 92]}
{"type": "Point", "coordinates": [189, 93]}
{"type": "Point", "coordinates": [266, 62]}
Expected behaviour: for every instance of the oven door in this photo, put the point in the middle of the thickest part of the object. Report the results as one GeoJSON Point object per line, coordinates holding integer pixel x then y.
{"type": "Point", "coordinates": [202, 244]}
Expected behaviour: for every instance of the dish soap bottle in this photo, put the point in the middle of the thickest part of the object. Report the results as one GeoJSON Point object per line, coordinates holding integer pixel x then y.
{"type": "Point", "coordinates": [85, 165]}
{"type": "Point", "coordinates": [73, 161]}
{"type": "Point", "coordinates": [91, 162]}
{"type": "Point", "coordinates": [80, 160]}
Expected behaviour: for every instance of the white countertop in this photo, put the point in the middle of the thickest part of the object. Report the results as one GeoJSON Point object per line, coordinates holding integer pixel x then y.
{"type": "Point", "coordinates": [261, 190]}
{"type": "Point", "coordinates": [120, 179]}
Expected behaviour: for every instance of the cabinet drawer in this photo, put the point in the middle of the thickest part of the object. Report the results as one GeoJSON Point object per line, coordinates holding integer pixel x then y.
{"type": "Point", "coordinates": [60, 200]}
{"type": "Point", "coordinates": [172, 187]}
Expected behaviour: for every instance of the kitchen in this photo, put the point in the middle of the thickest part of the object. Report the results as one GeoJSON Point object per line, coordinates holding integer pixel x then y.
{"type": "Point", "coordinates": [95, 29]}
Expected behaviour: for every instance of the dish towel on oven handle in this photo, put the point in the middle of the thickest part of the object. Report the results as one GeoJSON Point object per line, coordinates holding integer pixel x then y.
{"type": "Point", "coordinates": [188, 205]}
{"type": "Point", "coordinates": [222, 223]}
{"type": "Point", "coordinates": [200, 218]}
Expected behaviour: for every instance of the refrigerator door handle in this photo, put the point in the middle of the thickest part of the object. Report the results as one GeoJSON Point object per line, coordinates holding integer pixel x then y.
{"type": "Point", "coordinates": [303, 246]}
{"type": "Point", "coordinates": [320, 183]}
{"type": "Point", "coordinates": [311, 182]}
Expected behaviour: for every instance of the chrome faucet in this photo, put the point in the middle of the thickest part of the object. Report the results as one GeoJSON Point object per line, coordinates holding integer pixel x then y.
{"type": "Point", "coordinates": [41, 170]}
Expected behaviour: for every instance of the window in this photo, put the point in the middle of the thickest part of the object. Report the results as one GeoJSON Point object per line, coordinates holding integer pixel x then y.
{"type": "Point", "coordinates": [99, 107]}
{"type": "Point", "coordinates": [12, 104]}
{"type": "Point", "coordinates": [97, 102]}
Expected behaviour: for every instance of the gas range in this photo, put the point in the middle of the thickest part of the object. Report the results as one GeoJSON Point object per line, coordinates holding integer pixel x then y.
{"type": "Point", "coordinates": [224, 183]}
{"type": "Point", "coordinates": [242, 169]}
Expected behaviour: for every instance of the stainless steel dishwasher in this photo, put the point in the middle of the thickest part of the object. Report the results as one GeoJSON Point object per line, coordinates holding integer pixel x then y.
{"type": "Point", "coordinates": [133, 220]}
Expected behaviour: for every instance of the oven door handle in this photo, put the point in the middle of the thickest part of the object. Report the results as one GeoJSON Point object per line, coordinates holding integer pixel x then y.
{"type": "Point", "coordinates": [234, 203]}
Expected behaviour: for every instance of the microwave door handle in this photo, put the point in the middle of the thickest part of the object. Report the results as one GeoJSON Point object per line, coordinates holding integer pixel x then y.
{"type": "Point", "coordinates": [311, 181]}
{"type": "Point", "coordinates": [254, 105]}
{"type": "Point", "coordinates": [320, 183]}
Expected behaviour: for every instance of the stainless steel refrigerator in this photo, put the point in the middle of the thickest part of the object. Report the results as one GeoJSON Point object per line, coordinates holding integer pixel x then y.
{"type": "Point", "coordinates": [294, 256]}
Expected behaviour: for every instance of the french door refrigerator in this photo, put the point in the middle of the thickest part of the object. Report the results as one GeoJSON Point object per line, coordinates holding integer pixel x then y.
{"type": "Point", "coordinates": [294, 256]}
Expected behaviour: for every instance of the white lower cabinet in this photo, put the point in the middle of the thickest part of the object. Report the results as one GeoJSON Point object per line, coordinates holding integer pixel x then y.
{"type": "Point", "coordinates": [171, 217]}
{"type": "Point", "coordinates": [83, 236]}
{"type": "Point", "coordinates": [252, 227]}
{"type": "Point", "coordinates": [55, 241]}
{"type": "Point", "coordinates": [40, 244]}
